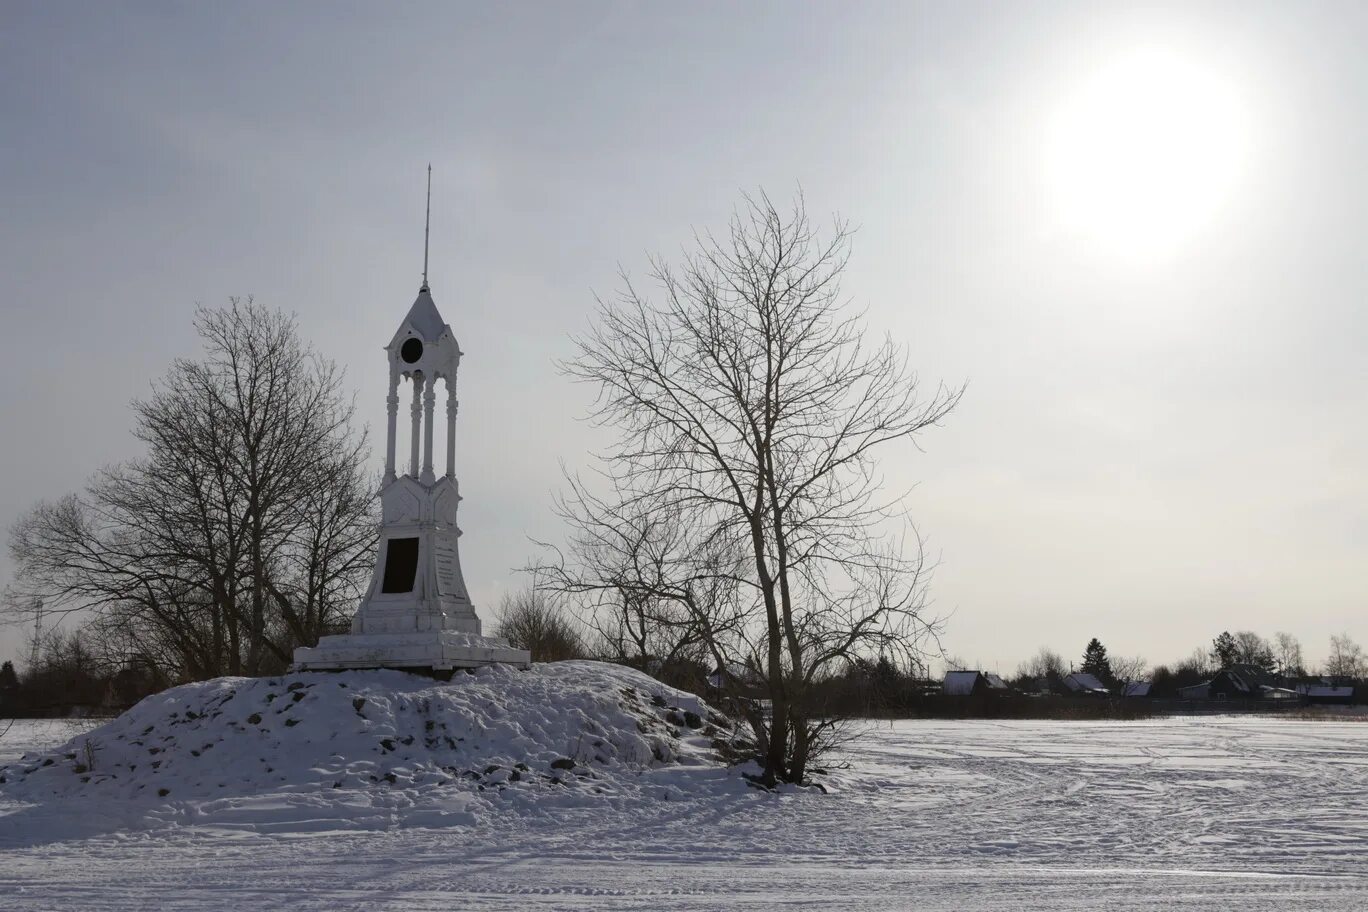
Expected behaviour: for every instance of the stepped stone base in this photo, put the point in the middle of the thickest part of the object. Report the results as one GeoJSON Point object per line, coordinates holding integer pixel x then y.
{"type": "Point", "coordinates": [439, 650]}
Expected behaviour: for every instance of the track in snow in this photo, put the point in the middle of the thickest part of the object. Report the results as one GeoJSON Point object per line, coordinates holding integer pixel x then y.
{"type": "Point", "coordinates": [1173, 814]}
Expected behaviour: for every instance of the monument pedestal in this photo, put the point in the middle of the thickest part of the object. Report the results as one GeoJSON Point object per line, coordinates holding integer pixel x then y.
{"type": "Point", "coordinates": [435, 650]}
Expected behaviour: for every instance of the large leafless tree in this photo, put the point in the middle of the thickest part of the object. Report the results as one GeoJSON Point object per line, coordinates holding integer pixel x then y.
{"type": "Point", "coordinates": [743, 503]}
{"type": "Point", "coordinates": [243, 531]}
{"type": "Point", "coordinates": [1346, 660]}
{"type": "Point", "coordinates": [1287, 653]}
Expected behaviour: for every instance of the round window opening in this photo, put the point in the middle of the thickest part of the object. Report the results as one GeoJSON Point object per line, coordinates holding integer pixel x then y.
{"type": "Point", "coordinates": [411, 350]}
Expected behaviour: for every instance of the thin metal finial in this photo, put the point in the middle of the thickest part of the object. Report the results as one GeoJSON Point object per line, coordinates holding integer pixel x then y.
{"type": "Point", "coordinates": [427, 228]}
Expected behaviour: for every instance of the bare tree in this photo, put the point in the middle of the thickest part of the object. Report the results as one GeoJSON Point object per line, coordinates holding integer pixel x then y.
{"type": "Point", "coordinates": [1252, 649]}
{"type": "Point", "coordinates": [1346, 659]}
{"type": "Point", "coordinates": [528, 620]}
{"type": "Point", "coordinates": [1200, 663]}
{"type": "Point", "coordinates": [1128, 669]}
{"type": "Point", "coordinates": [1046, 665]}
{"type": "Point", "coordinates": [749, 407]}
{"type": "Point", "coordinates": [244, 531]}
{"type": "Point", "coordinates": [1287, 653]}
{"type": "Point", "coordinates": [64, 672]}
{"type": "Point", "coordinates": [650, 590]}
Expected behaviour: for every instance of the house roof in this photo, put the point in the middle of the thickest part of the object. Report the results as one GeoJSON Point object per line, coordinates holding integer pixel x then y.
{"type": "Point", "coordinates": [735, 671]}
{"type": "Point", "coordinates": [959, 683]}
{"type": "Point", "coordinates": [1324, 691]}
{"type": "Point", "coordinates": [1082, 681]}
{"type": "Point", "coordinates": [1277, 693]}
{"type": "Point", "coordinates": [963, 683]}
{"type": "Point", "coordinates": [1136, 689]}
{"type": "Point", "coordinates": [1246, 678]}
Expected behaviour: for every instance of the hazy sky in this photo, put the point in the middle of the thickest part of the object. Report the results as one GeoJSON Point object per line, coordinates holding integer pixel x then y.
{"type": "Point", "coordinates": [1137, 233]}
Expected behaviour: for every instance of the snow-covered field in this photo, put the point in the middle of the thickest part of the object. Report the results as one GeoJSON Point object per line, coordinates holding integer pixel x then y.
{"type": "Point", "coordinates": [1224, 813]}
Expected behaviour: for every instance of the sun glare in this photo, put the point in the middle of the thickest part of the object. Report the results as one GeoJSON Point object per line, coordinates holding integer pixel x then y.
{"type": "Point", "coordinates": [1146, 152]}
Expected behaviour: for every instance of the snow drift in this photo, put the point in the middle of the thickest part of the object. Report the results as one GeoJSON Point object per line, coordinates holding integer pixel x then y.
{"type": "Point", "coordinates": [367, 749]}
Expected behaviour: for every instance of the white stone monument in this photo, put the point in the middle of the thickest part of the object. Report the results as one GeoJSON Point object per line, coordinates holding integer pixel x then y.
{"type": "Point", "coordinates": [417, 613]}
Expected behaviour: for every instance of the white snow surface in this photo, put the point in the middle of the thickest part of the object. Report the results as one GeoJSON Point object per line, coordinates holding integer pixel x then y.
{"type": "Point", "coordinates": [1174, 814]}
{"type": "Point", "coordinates": [377, 750]}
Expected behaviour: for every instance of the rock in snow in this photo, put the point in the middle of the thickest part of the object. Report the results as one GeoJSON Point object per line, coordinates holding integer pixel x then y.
{"type": "Point", "coordinates": [386, 748]}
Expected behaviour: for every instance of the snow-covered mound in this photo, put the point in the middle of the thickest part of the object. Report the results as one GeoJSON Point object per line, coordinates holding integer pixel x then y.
{"type": "Point", "coordinates": [385, 748]}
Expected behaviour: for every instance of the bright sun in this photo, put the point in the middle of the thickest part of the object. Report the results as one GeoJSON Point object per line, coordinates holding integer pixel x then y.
{"type": "Point", "coordinates": [1146, 152]}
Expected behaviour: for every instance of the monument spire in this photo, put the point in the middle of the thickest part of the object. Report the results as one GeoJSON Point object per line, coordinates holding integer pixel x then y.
{"type": "Point", "coordinates": [427, 226]}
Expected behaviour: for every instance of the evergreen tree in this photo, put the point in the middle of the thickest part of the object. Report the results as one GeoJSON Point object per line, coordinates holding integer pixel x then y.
{"type": "Point", "coordinates": [8, 679]}
{"type": "Point", "coordinates": [1095, 661]}
{"type": "Point", "coordinates": [886, 671]}
{"type": "Point", "coordinates": [1225, 652]}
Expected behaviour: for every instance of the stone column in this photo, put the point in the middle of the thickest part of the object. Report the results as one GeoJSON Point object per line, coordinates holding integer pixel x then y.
{"type": "Point", "coordinates": [417, 412]}
{"type": "Point", "coordinates": [429, 400]}
{"type": "Point", "coordinates": [451, 427]}
{"type": "Point", "coordinates": [393, 403]}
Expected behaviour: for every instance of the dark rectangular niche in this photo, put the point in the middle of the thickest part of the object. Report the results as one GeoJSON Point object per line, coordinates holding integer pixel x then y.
{"type": "Point", "coordinates": [401, 565]}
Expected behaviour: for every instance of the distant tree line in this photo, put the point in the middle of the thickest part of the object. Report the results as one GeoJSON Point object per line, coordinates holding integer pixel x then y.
{"type": "Point", "coordinates": [65, 677]}
{"type": "Point", "coordinates": [1279, 658]}
{"type": "Point", "coordinates": [70, 673]}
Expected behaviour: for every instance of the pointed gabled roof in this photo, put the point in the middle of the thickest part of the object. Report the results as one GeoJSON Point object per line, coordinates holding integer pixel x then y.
{"type": "Point", "coordinates": [1083, 682]}
{"type": "Point", "coordinates": [424, 318]}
